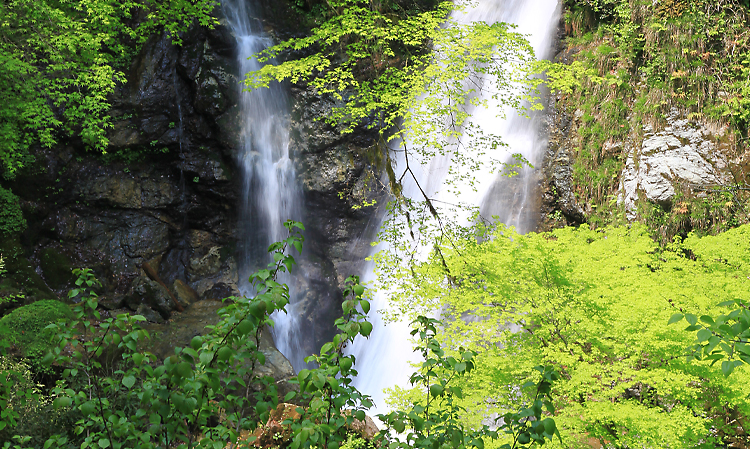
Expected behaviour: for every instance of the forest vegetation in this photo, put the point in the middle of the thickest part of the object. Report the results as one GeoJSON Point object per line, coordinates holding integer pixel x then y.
{"type": "Point", "coordinates": [606, 334]}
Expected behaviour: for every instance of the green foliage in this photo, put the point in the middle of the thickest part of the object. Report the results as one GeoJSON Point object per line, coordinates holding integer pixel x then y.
{"type": "Point", "coordinates": [25, 326]}
{"type": "Point", "coordinates": [145, 403]}
{"type": "Point", "coordinates": [59, 62]}
{"type": "Point", "coordinates": [725, 335]}
{"type": "Point", "coordinates": [436, 420]}
{"type": "Point", "coordinates": [120, 397]}
{"type": "Point", "coordinates": [411, 74]}
{"type": "Point", "coordinates": [209, 394]}
{"type": "Point", "coordinates": [595, 305]}
{"type": "Point", "coordinates": [11, 217]}
{"type": "Point", "coordinates": [26, 413]}
{"type": "Point", "coordinates": [715, 210]}
{"type": "Point", "coordinates": [332, 402]}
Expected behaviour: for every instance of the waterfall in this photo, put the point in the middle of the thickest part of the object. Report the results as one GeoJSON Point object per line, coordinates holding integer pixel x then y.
{"type": "Point", "coordinates": [270, 193]}
{"type": "Point", "coordinates": [383, 360]}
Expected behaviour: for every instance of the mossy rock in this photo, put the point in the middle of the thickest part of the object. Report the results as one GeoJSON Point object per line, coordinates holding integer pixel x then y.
{"type": "Point", "coordinates": [57, 268]}
{"type": "Point", "coordinates": [24, 328]}
{"type": "Point", "coordinates": [20, 271]}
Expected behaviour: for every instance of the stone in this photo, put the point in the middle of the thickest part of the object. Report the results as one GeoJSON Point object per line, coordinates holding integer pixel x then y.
{"type": "Point", "coordinates": [681, 156]}
{"type": "Point", "coordinates": [56, 268]}
{"type": "Point", "coordinates": [152, 294]}
{"type": "Point", "coordinates": [128, 192]}
{"type": "Point", "coordinates": [275, 434]}
{"type": "Point", "coordinates": [184, 293]}
{"type": "Point", "coordinates": [149, 314]}
{"type": "Point", "coordinates": [276, 366]}
{"type": "Point", "coordinates": [219, 291]}
{"type": "Point", "coordinates": [111, 302]}
{"type": "Point", "coordinates": [366, 429]}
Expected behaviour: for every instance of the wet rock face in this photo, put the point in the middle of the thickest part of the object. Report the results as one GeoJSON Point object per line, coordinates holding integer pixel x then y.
{"type": "Point", "coordinates": [336, 174]}
{"type": "Point", "coordinates": [681, 156]}
{"type": "Point", "coordinates": [558, 197]}
{"type": "Point", "coordinates": [165, 193]}
{"type": "Point", "coordinates": [170, 198]}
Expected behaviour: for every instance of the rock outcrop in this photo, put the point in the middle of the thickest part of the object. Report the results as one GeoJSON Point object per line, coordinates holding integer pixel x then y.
{"type": "Point", "coordinates": [683, 155]}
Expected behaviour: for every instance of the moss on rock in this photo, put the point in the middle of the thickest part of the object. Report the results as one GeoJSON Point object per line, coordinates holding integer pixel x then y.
{"type": "Point", "coordinates": [24, 328]}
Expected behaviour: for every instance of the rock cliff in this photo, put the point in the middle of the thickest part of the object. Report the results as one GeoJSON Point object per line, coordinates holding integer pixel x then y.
{"type": "Point", "coordinates": [167, 192]}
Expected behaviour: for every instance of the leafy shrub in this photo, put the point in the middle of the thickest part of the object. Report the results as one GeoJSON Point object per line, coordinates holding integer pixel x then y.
{"type": "Point", "coordinates": [22, 397]}
{"type": "Point", "coordinates": [11, 217]}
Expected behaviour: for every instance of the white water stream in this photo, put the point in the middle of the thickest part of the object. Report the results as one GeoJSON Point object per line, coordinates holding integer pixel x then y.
{"type": "Point", "coordinates": [383, 360]}
{"type": "Point", "coordinates": [271, 195]}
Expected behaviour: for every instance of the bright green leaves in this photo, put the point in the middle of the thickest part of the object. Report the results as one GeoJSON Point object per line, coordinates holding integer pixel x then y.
{"type": "Point", "coordinates": [437, 417]}
{"type": "Point", "coordinates": [605, 307]}
{"type": "Point", "coordinates": [413, 76]}
{"type": "Point", "coordinates": [723, 336]}
{"type": "Point", "coordinates": [128, 381]}
{"type": "Point", "coordinates": [61, 61]}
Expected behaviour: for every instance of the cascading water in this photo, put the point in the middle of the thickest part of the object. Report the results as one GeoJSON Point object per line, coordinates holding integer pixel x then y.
{"type": "Point", "coordinates": [383, 361]}
{"type": "Point", "coordinates": [271, 194]}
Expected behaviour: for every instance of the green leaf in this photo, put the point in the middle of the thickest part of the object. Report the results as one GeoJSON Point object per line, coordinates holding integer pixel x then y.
{"type": "Point", "coordinates": [549, 426]}
{"type": "Point", "coordinates": [48, 359]}
{"type": "Point", "coordinates": [137, 359]}
{"type": "Point", "coordinates": [365, 328]}
{"type": "Point", "coordinates": [245, 327]}
{"type": "Point", "coordinates": [224, 353]}
{"type": "Point", "coordinates": [675, 318]}
{"type": "Point", "coordinates": [87, 408]}
{"type": "Point", "coordinates": [128, 381]}
{"type": "Point", "coordinates": [727, 367]}
{"type": "Point", "coordinates": [104, 443]}
{"type": "Point", "coordinates": [62, 401]}
{"type": "Point", "coordinates": [184, 369]}
{"type": "Point", "coordinates": [703, 335]}
{"type": "Point", "coordinates": [258, 309]}
{"type": "Point", "coordinates": [345, 363]}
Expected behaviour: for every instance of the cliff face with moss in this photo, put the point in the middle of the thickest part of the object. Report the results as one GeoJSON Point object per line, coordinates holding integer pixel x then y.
{"type": "Point", "coordinates": [157, 216]}
{"type": "Point", "coordinates": [653, 124]}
